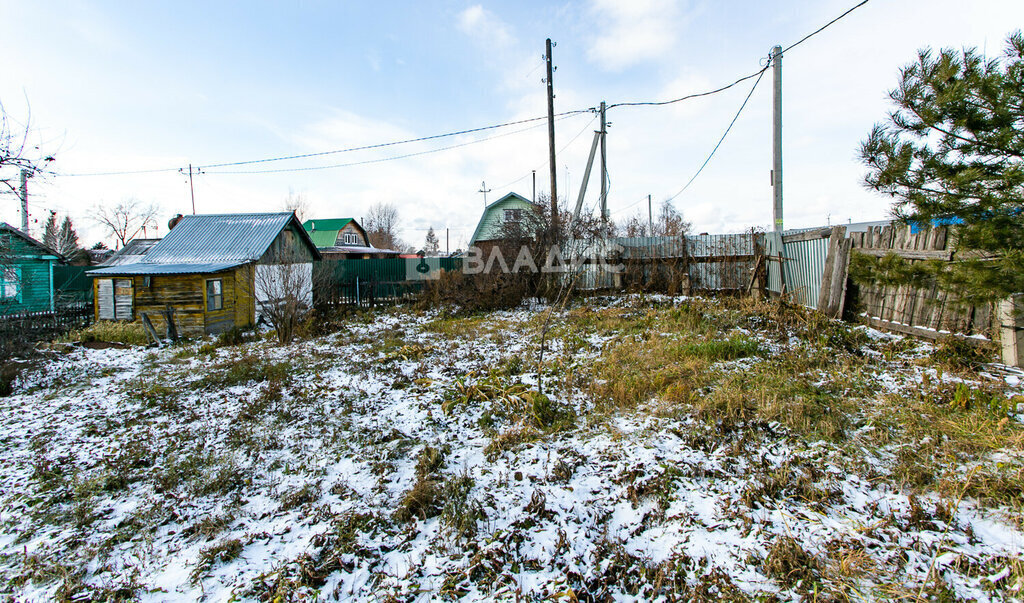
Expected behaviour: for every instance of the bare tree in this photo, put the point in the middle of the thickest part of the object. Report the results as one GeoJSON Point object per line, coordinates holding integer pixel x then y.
{"type": "Point", "coordinates": [16, 153]}
{"type": "Point", "coordinates": [284, 292]}
{"type": "Point", "coordinates": [670, 222]}
{"type": "Point", "coordinates": [298, 204]}
{"type": "Point", "coordinates": [125, 220]}
{"type": "Point", "coordinates": [381, 226]}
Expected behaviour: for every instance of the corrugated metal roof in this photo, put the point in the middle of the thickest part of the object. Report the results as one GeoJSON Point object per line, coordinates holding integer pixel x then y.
{"type": "Point", "coordinates": [218, 238]}
{"type": "Point", "coordinates": [157, 269]}
{"type": "Point", "coordinates": [326, 224]}
{"type": "Point", "coordinates": [357, 249]}
{"type": "Point", "coordinates": [132, 253]}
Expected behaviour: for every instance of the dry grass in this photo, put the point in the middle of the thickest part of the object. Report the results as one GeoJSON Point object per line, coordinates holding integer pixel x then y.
{"type": "Point", "coordinates": [109, 331]}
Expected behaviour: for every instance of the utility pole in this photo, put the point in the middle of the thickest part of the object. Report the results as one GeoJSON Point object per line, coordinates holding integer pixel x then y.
{"type": "Point", "coordinates": [25, 175]}
{"type": "Point", "coordinates": [484, 190]}
{"type": "Point", "coordinates": [604, 168]}
{"type": "Point", "coordinates": [191, 188]}
{"type": "Point", "coordinates": [551, 135]}
{"type": "Point", "coordinates": [534, 199]}
{"type": "Point", "coordinates": [777, 161]}
{"type": "Point", "coordinates": [447, 244]}
{"type": "Point", "coordinates": [777, 140]}
{"type": "Point", "coordinates": [650, 216]}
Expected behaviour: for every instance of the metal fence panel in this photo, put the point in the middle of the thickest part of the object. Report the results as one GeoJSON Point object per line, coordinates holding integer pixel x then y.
{"type": "Point", "coordinates": [802, 264]}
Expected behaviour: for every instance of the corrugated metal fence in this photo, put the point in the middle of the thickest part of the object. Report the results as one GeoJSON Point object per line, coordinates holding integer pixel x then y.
{"type": "Point", "coordinates": [800, 260]}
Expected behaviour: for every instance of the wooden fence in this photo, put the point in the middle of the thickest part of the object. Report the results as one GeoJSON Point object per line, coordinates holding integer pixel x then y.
{"type": "Point", "coordinates": [23, 328]}
{"type": "Point", "coordinates": [928, 311]}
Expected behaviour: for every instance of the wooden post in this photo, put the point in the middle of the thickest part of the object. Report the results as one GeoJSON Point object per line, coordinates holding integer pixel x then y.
{"type": "Point", "coordinates": [1011, 331]}
{"type": "Point", "coordinates": [832, 295]}
{"type": "Point", "coordinates": [172, 330]}
{"type": "Point", "coordinates": [148, 325]}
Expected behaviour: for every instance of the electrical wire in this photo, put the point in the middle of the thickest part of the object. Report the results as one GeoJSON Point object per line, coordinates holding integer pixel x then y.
{"type": "Point", "coordinates": [383, 159]}
{"type": "Point", "coordinates": [720, 140]}
{"type": "Point", "coordinates": [560, 151]}
{"type": "Point", "coordinates": [822, 28]}
{"type": "Point", "coordinates": [389, 144]}
{"type": "Point", "coordinates": [331, 152]}
{"type": "Point", "coordinates": [756, 74]}
{"type": "Point", "coordinates": [456, 133]}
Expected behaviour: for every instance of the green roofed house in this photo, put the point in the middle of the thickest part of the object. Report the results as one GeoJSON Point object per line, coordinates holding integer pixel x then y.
{"type": "Point", "coordinates": [26, 272]}
{"type": "Point", "coordinates": [343, 238]}
{"type": "Point", "coordinates": [511, 208]}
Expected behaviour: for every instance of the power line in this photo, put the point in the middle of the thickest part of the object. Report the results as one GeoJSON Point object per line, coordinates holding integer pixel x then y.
{"type": "Point", "coordinates": [388, 144]}
{"type": "Point", "coordinates": [823, 27]}
{"type": "Point", "coordinates": [722, 139]}
{"type": "Point", "coordinates": [756, 74]}
{"type": "Point", "coordinates": [383, 159]}
{"type": "Point", "coordinates": [560, 151]}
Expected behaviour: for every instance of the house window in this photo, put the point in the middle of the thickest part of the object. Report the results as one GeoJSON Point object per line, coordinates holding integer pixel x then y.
{"type": "Point", "coordinates": [10, 283]}
{"type": "Point", "coordinates": [214, 295]}
{"type": "Point", "coordinates": [513, 215]}
{"type": "Point", "coordinates": [347, 238]}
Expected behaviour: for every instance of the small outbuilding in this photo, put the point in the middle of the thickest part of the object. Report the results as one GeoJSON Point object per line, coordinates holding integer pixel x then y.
{"type": "Point", "coordinates": [26, 272]}
{"type": "Point", "coordinates": [210, 273]}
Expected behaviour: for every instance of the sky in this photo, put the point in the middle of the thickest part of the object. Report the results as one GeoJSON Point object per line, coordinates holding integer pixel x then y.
{"type": "Point", "coordinates": [129, 86]}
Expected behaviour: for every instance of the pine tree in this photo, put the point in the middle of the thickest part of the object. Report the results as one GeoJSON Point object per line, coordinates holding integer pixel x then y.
{"type": "Point", "coordinates": [50, 231]}
{"type": "Point", "coordinates": [67, 240]}
{"type": "Point", "coordinates": [431, 246]}
{"type": "Point", "coordinates": [952, 152]}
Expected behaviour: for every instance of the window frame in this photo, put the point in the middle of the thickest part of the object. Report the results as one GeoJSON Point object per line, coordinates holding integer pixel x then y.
{"type": "Point", "coordinates": [214, 298]}
{"type": "Point", "coordinates": [11, 276]}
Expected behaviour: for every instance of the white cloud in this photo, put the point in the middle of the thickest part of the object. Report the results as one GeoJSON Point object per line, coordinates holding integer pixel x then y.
{"type": "Point", "coordinates": [485, 27]}
{"type": "Point", "coordinates": [635, 31]}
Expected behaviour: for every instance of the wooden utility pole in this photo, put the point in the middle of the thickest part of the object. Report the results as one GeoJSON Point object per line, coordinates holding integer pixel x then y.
{"type": "Point", "coordinates": [25, 175]}
{"type": "Point", "coordinates": [534, 198]}
{"type": "Point", "coordinates": [551, 135]}
{"type": "Point", "coordinates": [192, 188]}
{"type": "Point", "coordinates": [604, 168]}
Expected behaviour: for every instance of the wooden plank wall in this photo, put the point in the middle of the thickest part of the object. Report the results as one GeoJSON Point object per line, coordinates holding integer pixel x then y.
{"type": "Point", "coordinates": [925, 308]}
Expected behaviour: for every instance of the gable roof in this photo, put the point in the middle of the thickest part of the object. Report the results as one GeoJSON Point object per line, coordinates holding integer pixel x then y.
{"type": "Point", "coordinates": [493, 206]}
{"type": "Point", "coordinates": [324, 232]}
{"type": "Point", "coordinates": [5, 227]}
{"type": "Point", "coordinates": [223, 238]}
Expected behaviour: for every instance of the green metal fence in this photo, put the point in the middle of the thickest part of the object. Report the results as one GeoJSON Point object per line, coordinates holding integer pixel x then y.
{"type": "Point", "coordinates": [72, 285]}
{"type": "Point", "coordinates": [376, 281]}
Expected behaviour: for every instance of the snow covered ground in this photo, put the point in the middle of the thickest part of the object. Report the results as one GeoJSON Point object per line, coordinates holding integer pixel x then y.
{"type": "Point", "coordinates": [411, 457]}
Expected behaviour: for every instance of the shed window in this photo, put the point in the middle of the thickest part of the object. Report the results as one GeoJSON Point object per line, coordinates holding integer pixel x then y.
{"type": "Point", "coordinates": [10, 283]}
{"type": "Point", "coordinates": [214, 295]}
{"type": "Point", "coordinates": [513, 215]}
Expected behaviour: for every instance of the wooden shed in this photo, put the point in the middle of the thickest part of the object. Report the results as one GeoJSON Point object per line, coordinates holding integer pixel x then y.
{"type": "Point", "coordinates": [26, 272]}
{"type": "Point", "coordinates": [205, 273]}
